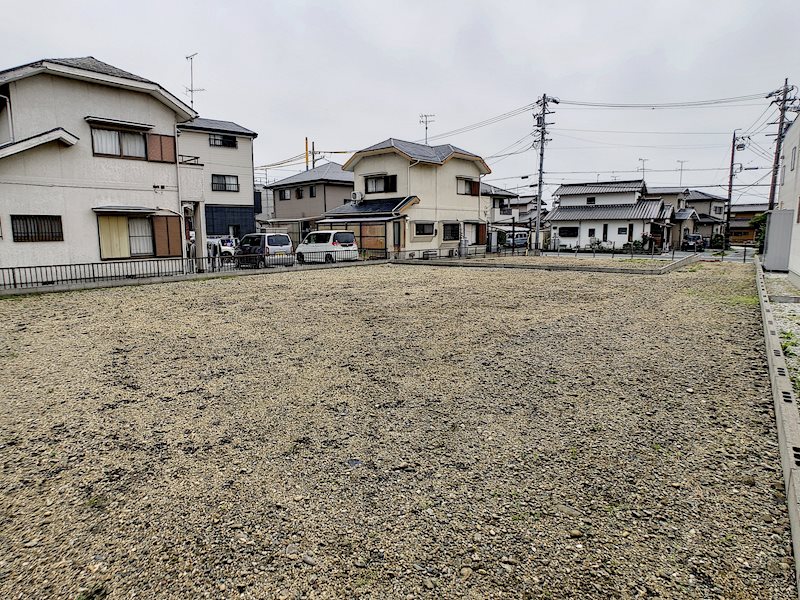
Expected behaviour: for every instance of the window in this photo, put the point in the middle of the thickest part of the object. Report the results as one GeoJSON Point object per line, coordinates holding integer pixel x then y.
{"type": "Point", "coordinates": [278, 240]}
{"type": "Point", "coordinates": [605, 232]}
{"type": "Point", "coordinates": [423, 229]}
{"type": "Point", "coordinates": [345, 238]}
{"type": "Point", "coordinates": [591, 232]}
{"type": "Point", "coordinates": [450, 232]}
{"type": "Point", "coordinates": [590, 200]}
{"type": "Point", "coordinates": [318, 238]}
{"type": "Point", "coordinates": [160, 148]}
{"type": "Point", "coordinates": [312, 191]}
{"type": "Point", "coordinates": [285, 194]}
{"type": "Point", "coordinates": [467, 187]}
{"type": "Point", "coordinates": [298, 193]}
{"type": "Point", "coordinates": [718, 210]}
{"type": "Point", "coordinates": [622, 231]}
{"type": "Point", "coordinates": [122, 236]}
{"type": "Point", "coordinates": [125, 144]}
{"type": "Point", "coordinates": [794, 158]}
{"type": "Point", "coordinates": [37, 228]}
{"type": "Point", "coordinates": [383, 183]}
{"type": "Point", "coordinates": [141, 236]}
{"type": "Point", "coordinates": [225, 183]}
{"type": "Point", "coordinates": [224, 141]}
{"type": "Point", "coordinates": [568, 232]}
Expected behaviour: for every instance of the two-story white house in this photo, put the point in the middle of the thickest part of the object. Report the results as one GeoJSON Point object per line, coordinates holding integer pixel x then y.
{"type": "Point", "coordinates": [88, 164]}
{"type": "Point", "coordinates": [608, 214]}
{"type": "Point", "coordinates": [413, 197]}
{"type": "Point", "coordinates": [223, 151]}
{"type": "Point", "coordinates": [789, 193]}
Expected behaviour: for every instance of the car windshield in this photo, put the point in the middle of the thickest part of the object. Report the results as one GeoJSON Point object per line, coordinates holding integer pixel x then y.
{"type": "Point", "coordinates": [278, 240]}
{"type": "Point", "coordinates": [345, 237]}
{"type": "Point", "coordinates": [251, 240]}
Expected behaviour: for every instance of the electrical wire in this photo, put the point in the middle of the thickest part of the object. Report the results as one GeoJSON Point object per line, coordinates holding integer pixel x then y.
{"type": "Point", "coordinates": [665, 105]}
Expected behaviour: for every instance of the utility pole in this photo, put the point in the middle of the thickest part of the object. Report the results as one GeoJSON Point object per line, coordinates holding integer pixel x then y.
{"type": "Point", "coordinates": [784, 91]}
{"type": "Point", "coordinates": [313, 156]}
{"type": "Point", "coordinates": [680, 180]}
{"type": "Point", "coordinates": [306, 153]}
{"type": "Point", "coordinates": [726, 242]}
{"type": "Point", "coordinates": [541, 124]}
{"type": "Point", "coordinates": [191, 89]}
{"type": "Point", "coordinates": [643, 160]}
{"type": "Point", "coordinates": [424, 120]}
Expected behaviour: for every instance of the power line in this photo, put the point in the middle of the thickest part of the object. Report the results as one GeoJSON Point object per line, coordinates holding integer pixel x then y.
{"type": "Point", "coordinates": [665, 105]}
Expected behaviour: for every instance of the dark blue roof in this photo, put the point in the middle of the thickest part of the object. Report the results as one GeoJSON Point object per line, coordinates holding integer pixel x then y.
{"type": "Point", "coordinates": [371, 207]}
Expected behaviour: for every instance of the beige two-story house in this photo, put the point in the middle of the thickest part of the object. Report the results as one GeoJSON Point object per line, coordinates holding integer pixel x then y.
{"type": "Point", "coordinates": [301, 200]}
{"type": "Point", "coordinates": [88, 165]}
{"type": "Point", "coordinates": [411, 197]}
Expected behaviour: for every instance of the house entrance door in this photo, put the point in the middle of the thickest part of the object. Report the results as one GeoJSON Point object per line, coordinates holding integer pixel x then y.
{"type": "Point", "coordinates": [397, 236]}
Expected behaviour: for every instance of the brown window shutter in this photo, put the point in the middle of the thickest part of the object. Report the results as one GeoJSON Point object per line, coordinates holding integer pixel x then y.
{"type": "Point", "coordinates": [174, 235]}
{"type": "Point", "coordinates": [167, 148]}
{"type": "Point", "coordinates": [153, 147]}
{"type": "Point", "coordinates": [475, 188]}
{"type": "Point", "coordinates": [161, 236]}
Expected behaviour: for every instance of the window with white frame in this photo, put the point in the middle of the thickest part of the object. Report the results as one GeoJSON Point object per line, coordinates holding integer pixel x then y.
{"type": "Point", "coordinates": [423, 229]}
{"type": "Point", "coordinates": [140, 234]}
{"type": "Point", "coordinates": [466, 187]}
{"type": "Point", "coordinates": [285, 194]}
{"type": "Point", "coordinates": [225, 183]}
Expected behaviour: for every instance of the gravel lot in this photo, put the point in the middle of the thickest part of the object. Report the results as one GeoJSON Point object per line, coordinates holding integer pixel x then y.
{"type": "Point", "coordinates": [393, 432]}
{"type": "Point", "coordinates": [587, 261]}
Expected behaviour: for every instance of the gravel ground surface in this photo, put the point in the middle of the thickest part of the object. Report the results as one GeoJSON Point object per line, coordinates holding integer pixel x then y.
{"type": "Point", "coordinates": [393, 432]}
{"type": "Point", "coordinates": [588, 261]}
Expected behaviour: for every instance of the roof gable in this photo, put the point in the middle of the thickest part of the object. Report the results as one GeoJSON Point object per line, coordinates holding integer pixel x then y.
{"type": "Point", "coordinates": [601, 187]}
{"type": "Point", "coordinates": [331, 172]}
{"type": "Point", "coordinates": [213, 125]}
{"type": "Point", "coordinates": [435, 155]}
{"type": "Point", "coordinates": [88, 68]}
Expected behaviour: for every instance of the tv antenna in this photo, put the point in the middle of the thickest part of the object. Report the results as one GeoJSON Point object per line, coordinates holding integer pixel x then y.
{"type": "Point", "coordinates": [191, 89]}
{"type": "Point", "coordinates": [424, 120]}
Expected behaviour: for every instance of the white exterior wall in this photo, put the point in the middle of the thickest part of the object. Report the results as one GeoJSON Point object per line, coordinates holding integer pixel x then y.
{"type": "Point", "coordinates": [614, 238]}
{"type": "Point", "coordinates": [436, 188]}
{"type": "Point", "coordinates": [603, 199]}
{"type": "Point", "coordinates": [789, 195]}
{"type": "Point", "coordinates": [217, 160]}
{"type": "Point", "coordinates": [69, 181]}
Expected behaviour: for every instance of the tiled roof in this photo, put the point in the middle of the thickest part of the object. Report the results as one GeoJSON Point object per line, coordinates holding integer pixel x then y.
{"type": "Point", "coordinates": [685, 213]}
{"type": "Point", "coordinates": [737, 208]}
{"type": "Point", "coordinates": [600, 187]}
{"type": "Point", "coordinates": [491, 190]}
{"type": "Point", "coordinates": [643, 209]}
{"type": "Point", "coordinates": [696, 195]}
{"type": "Point", "coordinates": [87, 63]}
{"type": "Point", "coordinates": [219, 126]}
{"type": "Point", "coordinates": [328, 172]}
{"type": "Point", "coordinates": [371, 207]}
{"type": "Point", "coordinates": [421, 152]}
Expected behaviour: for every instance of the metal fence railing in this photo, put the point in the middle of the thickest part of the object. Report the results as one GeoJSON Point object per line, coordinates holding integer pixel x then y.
{"type": "Point", "coordinates": [49, 275]}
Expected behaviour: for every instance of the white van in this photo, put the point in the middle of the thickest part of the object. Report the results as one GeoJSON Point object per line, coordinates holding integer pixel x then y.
{"type": "Point", "coordinates": [327, 246]}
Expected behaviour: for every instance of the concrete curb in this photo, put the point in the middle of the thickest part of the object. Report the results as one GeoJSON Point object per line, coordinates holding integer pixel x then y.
{"type": "Point", "coordinates": [585, 268]}
{"type": "Point", "coordinates": [787, 416]}
{"type": "Point", "coordinates": [92, 285]}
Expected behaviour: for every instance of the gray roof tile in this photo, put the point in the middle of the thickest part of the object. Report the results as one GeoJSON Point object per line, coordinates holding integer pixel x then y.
{"type": "Point", "coordinates": [87, 63]}
{"type": "Point", "coordinates": [421, 152]}
{"type": "Point", "coordinates": [328, 172]}
{"type": "Point", "coordinates": [600, 187]}
{"type": "Point", "coordinates": [643, 209]}
{"type": "Point", "coordinates": [200, 124]}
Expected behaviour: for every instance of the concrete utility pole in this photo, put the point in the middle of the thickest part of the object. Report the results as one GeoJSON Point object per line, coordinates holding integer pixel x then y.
{"type": "Point", "coordinates": [424, 120]}
{"type": "Point", "coordinates": [726, 242]}
{"type": "Point", "coordinates": [313, 156]}
{"type": "Point", "coordinates": [541, 124]}
{"type": "Point", "coordinates": [778, 141]}
{"type": "Point", "coordinates": [306, 153]}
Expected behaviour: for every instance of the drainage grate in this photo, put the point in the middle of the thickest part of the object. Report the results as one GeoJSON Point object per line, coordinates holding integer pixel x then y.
{"type": "Point", "coordinates": [777, 352]}
{"type": "Point", "coordinates": [782, 371]}
{"type": "Point", "coordinates": [787, 396]}
{"type": "Point", "coordinates": [771, 332]}
{"type": "Point", "coordinates": [769, 322]}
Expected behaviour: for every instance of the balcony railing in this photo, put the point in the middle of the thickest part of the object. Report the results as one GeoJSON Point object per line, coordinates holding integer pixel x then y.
{"type": "Point", "coordinates": [184, 159]}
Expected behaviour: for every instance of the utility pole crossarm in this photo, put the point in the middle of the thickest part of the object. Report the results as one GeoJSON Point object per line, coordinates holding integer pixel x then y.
{"type": "Point", "coordinates": [778, 143]}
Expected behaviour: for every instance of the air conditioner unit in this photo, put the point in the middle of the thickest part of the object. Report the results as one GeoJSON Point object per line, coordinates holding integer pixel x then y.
{"type": "Point", "coordinates": [356, 196]}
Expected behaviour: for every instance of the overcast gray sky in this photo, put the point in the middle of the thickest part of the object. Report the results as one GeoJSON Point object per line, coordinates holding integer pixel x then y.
{"type": "Point", "coordinates": [351, 73]}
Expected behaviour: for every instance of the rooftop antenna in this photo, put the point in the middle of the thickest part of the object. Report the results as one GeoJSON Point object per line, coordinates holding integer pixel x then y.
{"type": "Point", "coordinates": [680, 180]}
{"type": "Point", "coordinates": [642, 160]}
{"type": "Point", "coordinates": [424, 120]}
{"type": "Point", "coordinates": [191, 89]}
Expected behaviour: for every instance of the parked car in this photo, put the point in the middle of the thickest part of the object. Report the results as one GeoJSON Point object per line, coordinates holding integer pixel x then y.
{"type": "Point", "coordinates": [693, 242]}
{"type": "Point", "coordinates": [518, 240]}
{"type": "Point", "coordinates": [327, 246]}
{"type": "Point", "coordinates": [265, 250]}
